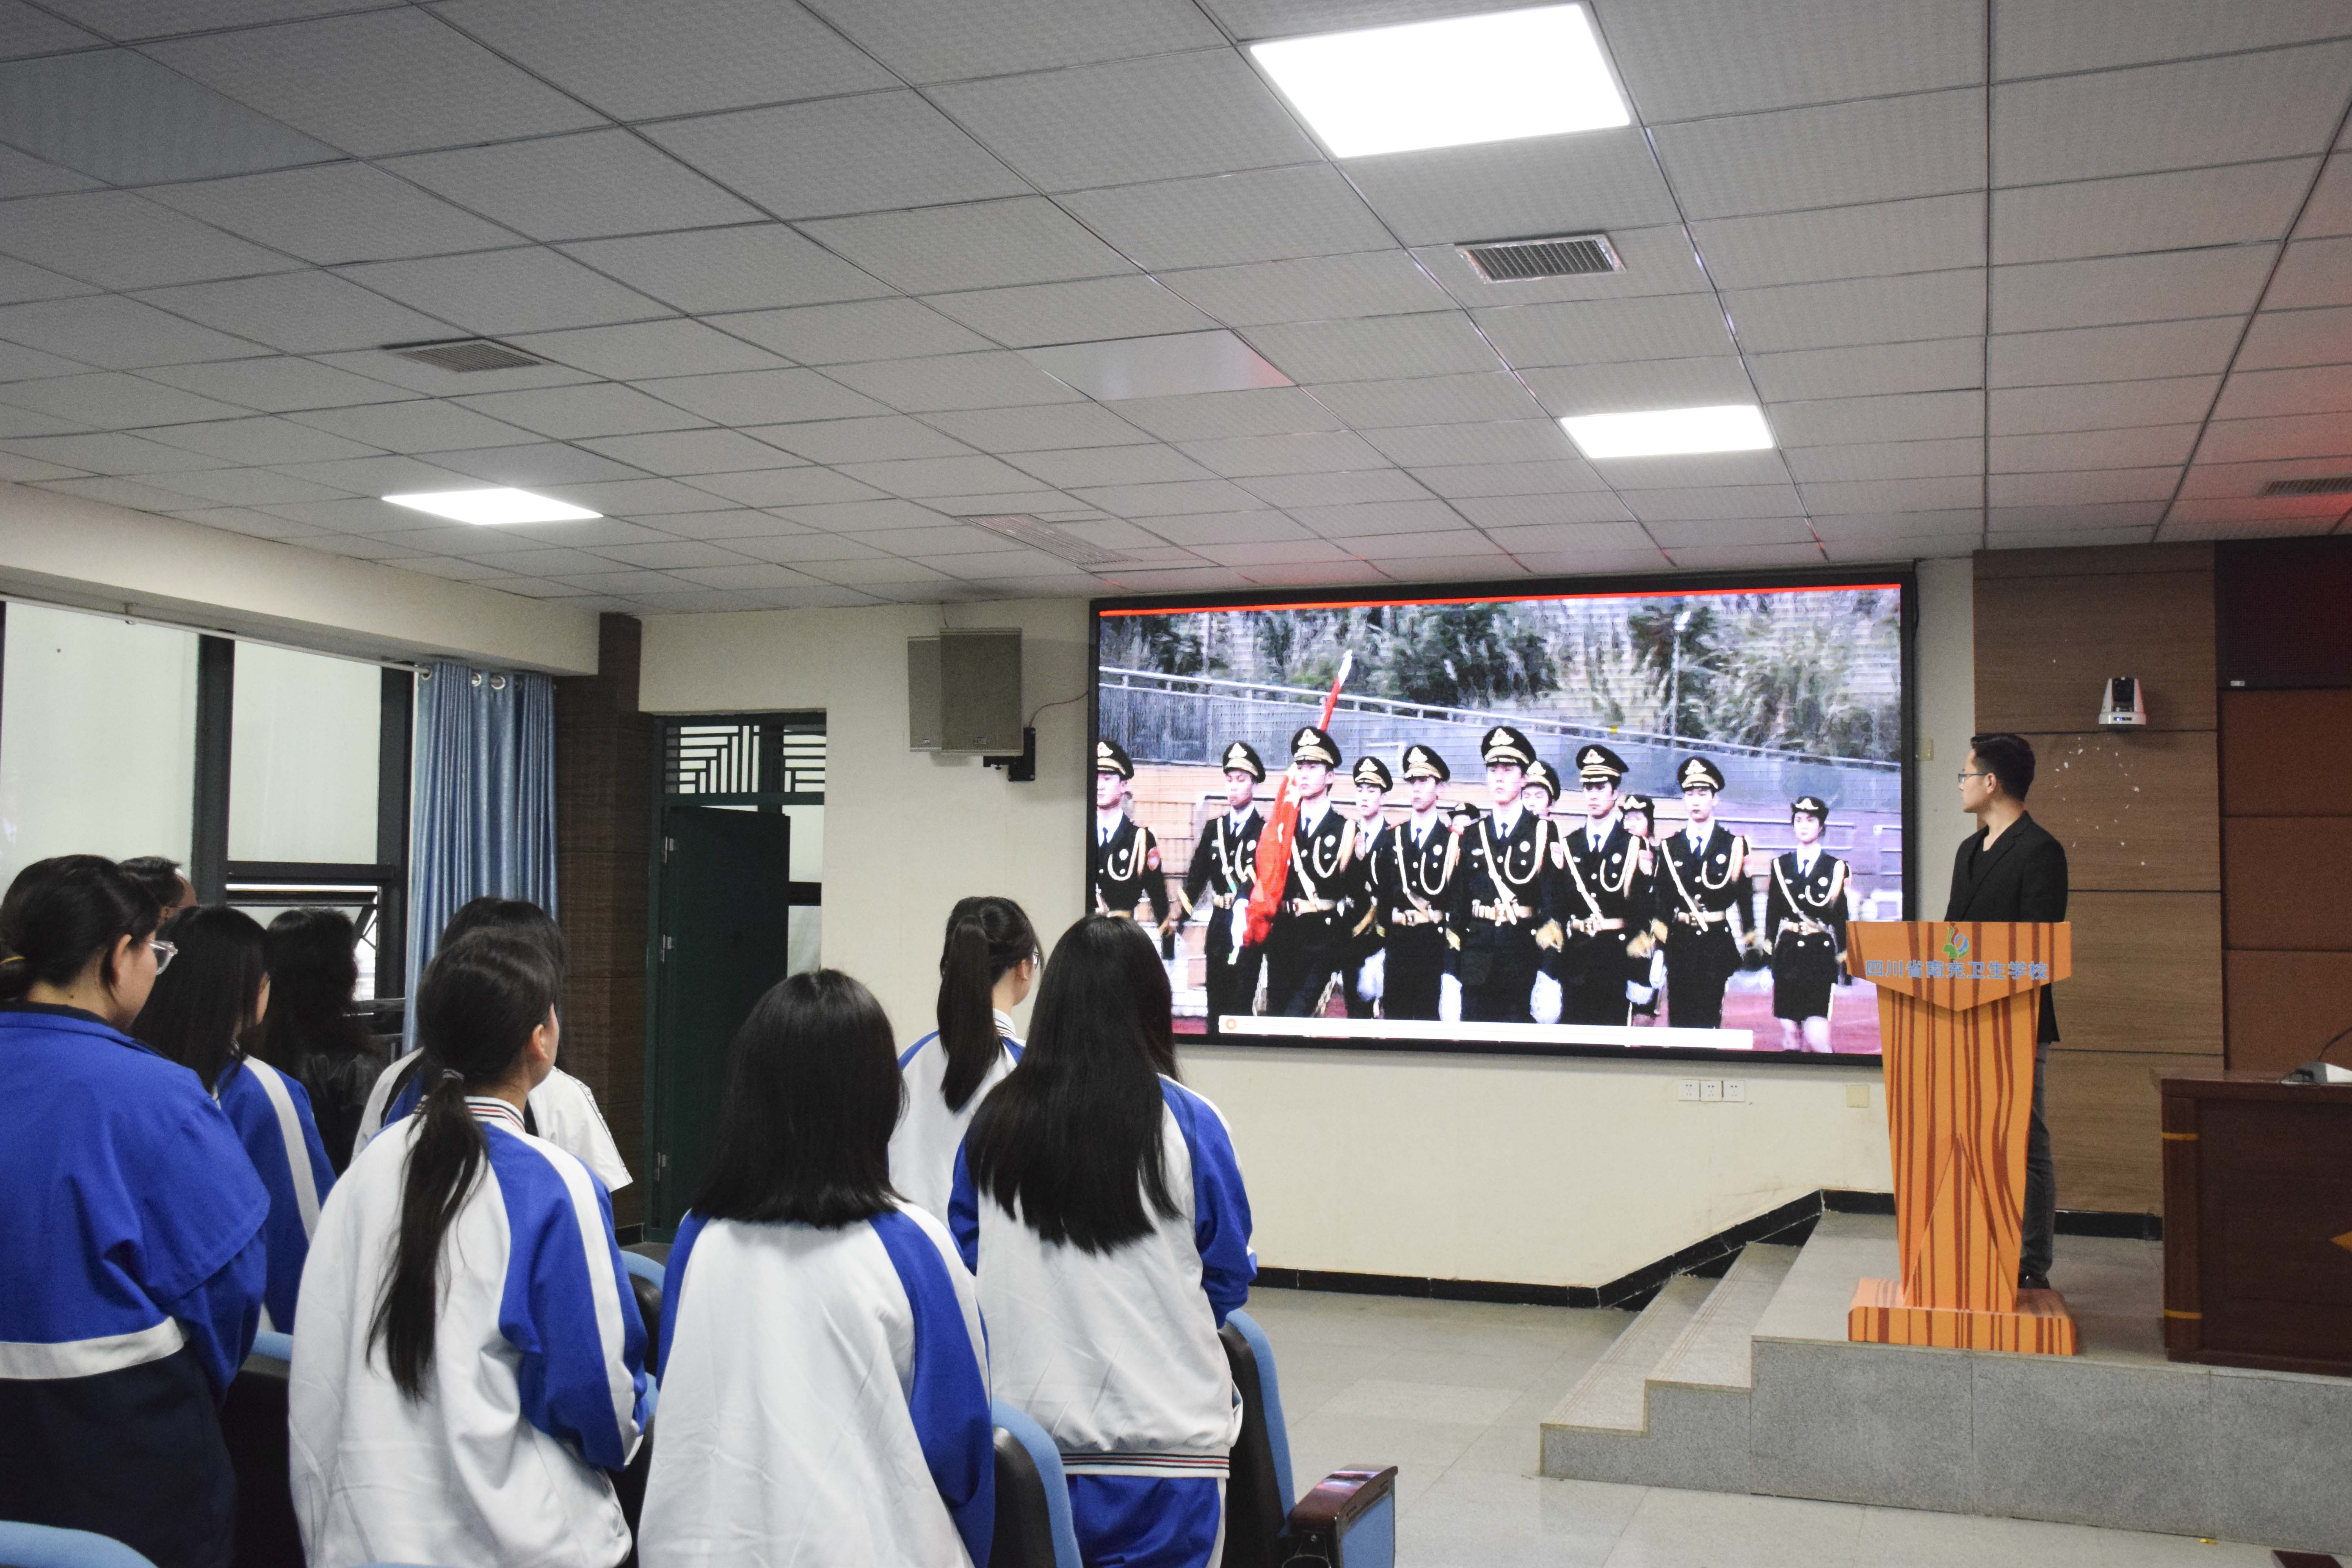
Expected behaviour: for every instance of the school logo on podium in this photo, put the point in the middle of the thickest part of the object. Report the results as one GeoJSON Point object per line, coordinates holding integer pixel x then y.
{"type": "Point", "coordinates": [1954, 945]}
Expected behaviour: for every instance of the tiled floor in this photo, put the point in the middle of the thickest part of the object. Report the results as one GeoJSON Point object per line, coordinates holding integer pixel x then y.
{"type": "Point", "coordinates": [1451, 1393]}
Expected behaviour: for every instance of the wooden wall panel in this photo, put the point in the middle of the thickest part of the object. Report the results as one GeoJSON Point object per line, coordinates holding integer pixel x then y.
{"type": "Point", "coordinates": [2147, 974]}
{"type": "Point", "coordinates": [2284, 1005]}
{"type": "Point", "coordinates": [2135, 809]}
{"type": "Point", "coordinates": [2046, 645]}
{"type": "Point", "coordinates": [2274, 743]}
{"type": "Point", "coordinates": [2104, 1126]}
{"type": "Point", "coordinates": [2289, 882]}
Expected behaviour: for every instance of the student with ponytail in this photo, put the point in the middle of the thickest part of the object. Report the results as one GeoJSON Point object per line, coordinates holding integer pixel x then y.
{"type": "Point", "coordinates": [469, 1361]}
{"type": "Point", "coordinates": [131, 1225]}
{"type": "Point", "coordinates": [215, 995]}
{"type": "Point", "coordinates": [986, 970]}
{"type": "Point", "coordinates": [1100, 1205]}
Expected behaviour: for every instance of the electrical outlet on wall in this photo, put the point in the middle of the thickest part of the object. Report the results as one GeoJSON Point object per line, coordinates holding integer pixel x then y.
{"type": "Point", "coordinates": [1734, 1092]}
{"type": "Point", "coordinates": [1857, 1095]}
{"type": "Point", "coordinates": [1686, 1089]}
{"type": "Point", "coordinates": [1710, 1089]}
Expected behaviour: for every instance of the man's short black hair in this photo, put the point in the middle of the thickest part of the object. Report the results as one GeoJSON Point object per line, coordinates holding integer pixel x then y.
{"type": "Point", "coordinates": [2008, 758]}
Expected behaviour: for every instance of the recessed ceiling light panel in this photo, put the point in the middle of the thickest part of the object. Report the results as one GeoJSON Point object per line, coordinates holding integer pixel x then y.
{"type": "Point", "coordinates": [1671, 432]}
{"type": "Point", "coordinates": [1495, 78]}
{"type": "Point", "coordinates": [492, 506]}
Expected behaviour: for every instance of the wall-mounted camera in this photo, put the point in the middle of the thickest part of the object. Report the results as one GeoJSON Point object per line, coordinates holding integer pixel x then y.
{"type": "Point", "coordinates": [2125, 708]}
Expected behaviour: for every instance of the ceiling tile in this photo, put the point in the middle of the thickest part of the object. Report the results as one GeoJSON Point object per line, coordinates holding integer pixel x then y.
{"type": "Point", "coordinates": [2101, 485]}
{"type": "Point", "coordinates": [2114, 354]}
{"type": "Point", "coordinates": [2174, 211]}
{"type": "Point", "coordinates": [1047, 427]}
{"type": "Point", "coordinates": [921, 478]}
{"type": "Point", "coordinates": [125, 493]}
{"type": "Point", "coordinates": [763, 396]}
{"type": "Point", "coordinates": [882, 569]}
{"type": "Point", "coordinates": [1888, 460]}
{"type": "Point", "coordinates": [1505, 190]}
{"type": "Point", "coordinates": [805, 486]}
{"type": "Point", "coordinates": [2245, 481]}
{"type": "Point", "coordinates": [18, 362]}
{"type": "Point", "coordinates": [2324, 510]}
{"type": "Point", "coordinates": [754, 574]}
{"type": "Point", "coordinates": [1906, 416]}
{"type": "Point", "coordinates": [2115, 291]}
{"type": "Point", "coordinates": [979, 245]}
{"type": "Point", "coordinates": [1265, 552]}
{"type": "Point", "coordinates": [643, 349]}
{"type": "Point", "coordinates": [1196, 529]}
{"type": "Point", "coordinates": [1878, 150]}
{"type": "Point", "coordinates": [688, 452]}
{"type": "Point", "coordinates": [417, 425]}
{"type": "Point", "coordinates": [2277, 340]}
{"type": "Point", "coordinates": [2042, 38]}
{"type": "Point", "coordinates": [2233, 110]}
{"type": "Point", "coordinates": [881, 515]}
{"type": "Point", "coordinates": [243, 487]}
{"type": "Point", "coordinates": [334, 213]}
{"type": "Point", "coordinates": [382, 476]}
{"type": "Point", "coordinates": [1863, 372]}
{"type": "Point", "coordinates": [1929, 234]}
{"type": "Point", "coordinates": [375, 82]}
{"type": "Point", "coordinates": [2285, 436]}
{"type": "Point", "coordinates": [2045, 410]}
{"type": "Point", "coordinates": [119, 117]}
{"type": "Point", "coordinates": [870, 153]}
{"type": "Point", "coordinates": [1524, 524]}
{"type": "Point", "coordinates": [1893, 495]}
{"type": "Point", "coordinates": [24, 422]}
{"type": "Point", "coordinates": [547, 463]}
{"type": "Point", "coordinates": [1161, 117]}
{"type": "Point", "coordinates": [1598, 332]}
{"type": "Point", "coordinates": [116, 334]}
{"type": "Point", "coordinates": [863, 330]}
{"type": "Point", "coordinates": [1461, 553]}
{"type": "Point", "coordinates": [1311, 289]}
{"type": "Point", "coordinates": [1836, 526]}
{"type": "Point", "coordinates": [2149, 445]}
{"type": "Point", "coordinates": [1408, 517]}
{"type": "Point", "coordinates": [1859, 311]}
{"type": "Point", "coordinates": [1639, 384]}
{"type": "Point", "coordinates": [996, 380]}
{"type": "Point", "coordinates": [928, 43]}
{"type": "Point", "coordinates": [1167, 500]}
{"type": "Point", "coordinates": [1354, 488]}
{"type": "Point", "coordinates": [1441, 343]}
{"type": "Point", "coordinates": [634, 61]}
{"type": "Point", "coordinates": [1085, 311]}
{"type": "Point", "coordinates": [114, 401]}
{"type": "Point", "coordinates": [363, 514]}
{"type": "Point", "coordinates": [277, 386]}
{"type": "Point", "coordinates": [124, 241]}
{"type": "Point", "coordinates": [1695, 470]}
{"type": "Point", "coordinates": [22, 281]}
{"type": "Point", "coordinates": [22, 175]}
{"type": "Point", "coordinates": [1271, 215]}
{"type": "Point", "coordinates": [584, 186]}
{"type": "Point", "coordinates": [25, 31]}
{"type": "Point", "coordinates": [1683, 58]}
{"type": "Point", "coordinates": [267, 439]}
{"type": "Point", "coordinates": [1656, 260]}
{"type": "Point", "coordinates": [1241, 457]}
{"type": "Point", "coordinates": [2329, 210]}
{"type": "Point", "coordinates": [886, 438]}
{"type": "Point", "coordinates": [2318, 389]}
{"type": "Point", "coordinates": [1593, 563]}
{"type": "Point", "coordinates": [569, 413]}
{"type": "Point", "coordinates": [1429, 400]}
{"type": "Point", "coordinates": [414, 376]}
{"type": "Point", "coordinates": [2314, 272]}
{"type": "Point", "coordinates": [246, 520]}
{"type": "Point", "coordinates": [1512, 441]}
{"type": "Point", "coordinates": [497, 291]}
{"type": "Point", "coordinates": [1150, 464]}
{"type": "Point", "coordinates": [1724, 529]}
{"type": "Point", "coordinates": [2180, 528]}
{"type": "Point", "coordinates": [299, 312]}
{"type": "Point", "coordinates": [1205, 417]}
{"type": "Point", "coordinates": [1750, 557]}
{"type": "Point", "coordinates": [737, 524]}
{"type": "Point", "coordinates": [751, 268]}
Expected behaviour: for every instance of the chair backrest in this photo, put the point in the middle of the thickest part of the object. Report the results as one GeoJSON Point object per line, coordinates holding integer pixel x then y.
{"type": "Point", "coordinates": [1032, 1497]}
{"type": "Point", "coordinates": [1258, 1494]}
{"type": "Point", "coordinates": [645, 1280]}
{"type": "Point", "coordinates": [41, 1546]}
{"type": "Point", "coordinates": [253, 1425]}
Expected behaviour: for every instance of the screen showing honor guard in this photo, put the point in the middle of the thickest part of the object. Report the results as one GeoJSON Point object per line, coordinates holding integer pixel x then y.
{"type": "Point", "coordinates": [1599, 821]}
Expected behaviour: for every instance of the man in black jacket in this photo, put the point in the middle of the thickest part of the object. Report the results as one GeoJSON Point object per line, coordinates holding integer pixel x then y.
{"type": "Point", "coordinates": [2012, 869]}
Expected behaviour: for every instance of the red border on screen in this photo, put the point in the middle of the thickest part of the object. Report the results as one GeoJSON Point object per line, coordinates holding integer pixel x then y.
{"type": "Point", "coordinates": [1483, 599]}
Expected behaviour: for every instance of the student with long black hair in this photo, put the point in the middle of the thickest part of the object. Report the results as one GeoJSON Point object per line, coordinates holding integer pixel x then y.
{"type": "Point", "coordinates": [1100, 1204]}
{"type": "Point", "coordinates": [130, 1251]}
{"type": "Point", "coordinates": [469, 1361]}
{"type": "Point", "coordinates": [986, 969]}
{"type": "Point", "coordinates": [825, 1378]}
{"type": "Point", "coordinates": [209, 1000]}
{"type": "Point", "coordinates": [310, 1033]}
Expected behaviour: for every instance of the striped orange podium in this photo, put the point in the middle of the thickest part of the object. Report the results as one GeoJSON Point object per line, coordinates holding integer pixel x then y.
{"type": "Point", "coordinates": [1958, 1003]}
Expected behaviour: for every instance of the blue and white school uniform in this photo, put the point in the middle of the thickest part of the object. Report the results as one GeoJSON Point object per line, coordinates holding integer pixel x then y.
{"type": "Point", "coordinates": [923, 1146]}
{"type": "Point", "coordinates": [825, 1399]}
{"type": "Point", "coordinates": [271, 1113]}
{"type": "Point", "coordinates": [537, 1386]}
{"type": "Point", "coordinates": [561, 1110]}
{"type": "Point", "coordinates": [1117, 1354]}
{"type": "Point", "coordinates": [130, 1284]}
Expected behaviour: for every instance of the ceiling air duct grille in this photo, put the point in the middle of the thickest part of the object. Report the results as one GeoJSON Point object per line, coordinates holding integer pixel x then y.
{"type": "Point", "coordinates": [1044, 536]}
{"type": "Point", "coordinates": [465, 355]}
{"type": "Point", "coordinates": [1564, 255]}
{"type": "Point", "coordinates": [2330, 485]}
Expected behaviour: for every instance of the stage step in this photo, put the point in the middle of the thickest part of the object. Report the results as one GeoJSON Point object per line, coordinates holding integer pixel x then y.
{"type": "Point", "coordinates": [1611, 1396]}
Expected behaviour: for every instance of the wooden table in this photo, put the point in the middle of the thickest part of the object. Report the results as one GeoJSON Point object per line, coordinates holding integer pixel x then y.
{"type": "Point", "coordinates": [2258, 1223]}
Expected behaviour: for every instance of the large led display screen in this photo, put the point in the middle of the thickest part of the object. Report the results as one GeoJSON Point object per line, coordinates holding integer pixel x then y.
{"type": "Point", "coordinates": [1585, 821]}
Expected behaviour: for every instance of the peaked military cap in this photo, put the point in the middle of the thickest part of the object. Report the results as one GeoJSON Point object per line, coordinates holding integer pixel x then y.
{"type": "Point", "coordinates": [1504, 744]}
{"type": "Point", "coordinates": [1642, 803]}
{"type": "Point", "coordinates": [1309, 744]}
{"type": "Point", "coordinates": [1110, 757]}
{"type": "Point", "coordinates": [1810, 805]}
{"type": "Point", "coordinates": [1697, 773]}
{"type": "Point", "coordinates": [1596, 763]}
{"type": "Point", "coordinates": [1420, 762]}
{"type": "Point", "coordinates": [1241, 755]}
{"type": "Point", "coordinates": [1371, 770]}
{"type": "Point", "coordinates": [1541, 775]}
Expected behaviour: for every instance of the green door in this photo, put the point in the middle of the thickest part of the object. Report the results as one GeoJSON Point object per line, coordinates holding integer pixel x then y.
{"type": "Point", "coordinates": [725, 908]}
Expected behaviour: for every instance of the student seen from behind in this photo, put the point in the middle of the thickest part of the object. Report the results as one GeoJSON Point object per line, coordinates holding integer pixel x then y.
{"type": "Point", "coordinates": [310, 1033]}
{"type": "Point", "coordinates": [824, 1376]}
{"type": "Point", "coordinates": [986, 970]}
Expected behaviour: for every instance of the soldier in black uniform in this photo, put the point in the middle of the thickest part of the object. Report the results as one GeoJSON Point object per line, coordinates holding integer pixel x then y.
{"type": "Point", "coordinates": [1502, 927]}
{"type": "Point", "coordinates": [1223, 870]}
{"type": "Point", "coordinates": [1412, 870]}
{"type": "Point", "coordinates": [1644, 950]}
{"type": "Point", "coordinates": [1702, 888]}
{"type": "Point", "coordinates": [1804, 923]}
{"type": "Point", "coordinates": [1360, 978]}
{"type": "Point", "coordinates": [1303, 950]}
{"type": "Point", "coordinates": [1604, 905]}
{"type": "Point", "coordinates": [1127, 870]}
{"type": "Point", "coordinates": [1542, 794]}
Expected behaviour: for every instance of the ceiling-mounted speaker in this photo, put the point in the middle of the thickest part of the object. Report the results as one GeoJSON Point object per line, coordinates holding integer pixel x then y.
{"type": "Point", "coordinates": [963, 691]}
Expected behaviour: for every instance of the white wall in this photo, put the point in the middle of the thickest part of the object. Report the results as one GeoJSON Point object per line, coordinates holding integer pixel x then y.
{"type": "Point", "coordinates": [1543, 1171]}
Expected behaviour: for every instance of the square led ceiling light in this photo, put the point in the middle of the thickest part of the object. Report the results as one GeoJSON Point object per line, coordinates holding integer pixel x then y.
{"type": "Point", "coordinates": [1497, 78]}
{"type": "Point", "coordinates": [1671, 432]}
{"type": "Point", "coordinates": [493, 506]}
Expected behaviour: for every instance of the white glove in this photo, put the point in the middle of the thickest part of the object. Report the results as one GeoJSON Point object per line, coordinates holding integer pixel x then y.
{"type": "Point", "coordinates": [1372, 978]}
{"type": "Point", "coordinates": [1545, 1000]}
{"type": "Point", "coordinates": [1449, 999]}
{"type": "Point", "coordinates": [1638, 993]}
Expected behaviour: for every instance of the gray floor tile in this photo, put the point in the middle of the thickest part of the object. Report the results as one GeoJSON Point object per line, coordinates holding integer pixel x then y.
{"type": "Point", "coordinates": [1483, 1520]}
{"type": "Point", "coordinates": [1687, 1529]}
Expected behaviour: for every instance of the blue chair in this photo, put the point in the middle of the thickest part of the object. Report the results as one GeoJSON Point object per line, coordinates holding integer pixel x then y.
{"type": "Point", "coordinates": [253, 1425]}
{"type": "Point", "coordinates": [1032, 1497]}
{"type": "Point", "coordinates": [1348, 1521]}
{"type": "Point", "coordinates": [646, 1280]}
{"type": "Point", "coordinates": [40, 1546]}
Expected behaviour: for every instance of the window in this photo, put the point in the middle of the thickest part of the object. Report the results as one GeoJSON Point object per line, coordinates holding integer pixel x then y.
{"type": "Point", "coordinates": [303, 742]}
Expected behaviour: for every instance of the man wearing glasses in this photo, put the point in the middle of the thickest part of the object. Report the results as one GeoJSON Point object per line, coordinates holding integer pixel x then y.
{"type": "Point", "coordinates": [2011, 868]}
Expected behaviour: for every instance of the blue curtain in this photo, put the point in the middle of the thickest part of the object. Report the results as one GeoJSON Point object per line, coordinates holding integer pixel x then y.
{"type": "Point", "coordinates": [484, 809]}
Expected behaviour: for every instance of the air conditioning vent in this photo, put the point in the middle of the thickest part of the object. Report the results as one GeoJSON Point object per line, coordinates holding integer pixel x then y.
{"type": "Point", "coordinates": [1564, 255]}
{"type": "Point", "coordinates": [1044, 536]}
{"type": "Point", "coordinates": [465, 355]}
{"type": "Point", "coordinates": [2330, 485]}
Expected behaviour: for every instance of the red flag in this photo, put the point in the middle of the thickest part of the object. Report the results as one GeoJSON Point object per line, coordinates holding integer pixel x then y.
{"type": "Point", "coordinates": [1281, 828]}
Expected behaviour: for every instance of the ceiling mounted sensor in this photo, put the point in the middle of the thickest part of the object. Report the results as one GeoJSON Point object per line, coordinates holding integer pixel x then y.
{"type": "Point", "coordinates": [1563, 256]}
{"type": "Point", "coordinates": [465, 355]}
{"type": "Point", "coordinates": [2328, 484]}
{"type": "Point", "coordinates": [1044, 536]}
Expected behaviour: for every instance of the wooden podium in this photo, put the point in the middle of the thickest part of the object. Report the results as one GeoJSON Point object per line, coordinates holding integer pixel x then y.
{"type": "Point", "coordinates": [1957, 1007]}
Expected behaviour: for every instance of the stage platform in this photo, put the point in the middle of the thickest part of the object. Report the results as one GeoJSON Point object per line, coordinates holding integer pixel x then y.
{"type": "Point", "coordinates": [1748, 1385]}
